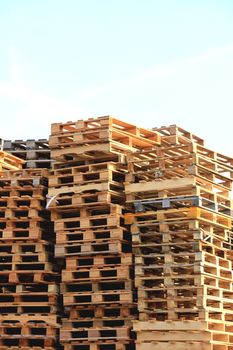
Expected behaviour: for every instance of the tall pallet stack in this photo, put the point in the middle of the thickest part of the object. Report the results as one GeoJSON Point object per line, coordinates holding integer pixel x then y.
{"type": "Point", "coordinates": [35, 153]}
{"type": "Point", "coordinates": [182, 242]}
{"type": "Point", "coordinates": [87, 203]}
{"type": "Point", "coordinates": [28, 290]}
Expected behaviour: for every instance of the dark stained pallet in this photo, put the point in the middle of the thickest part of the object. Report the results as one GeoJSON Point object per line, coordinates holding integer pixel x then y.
{"type": "Point", "coordinates": [36, 153]}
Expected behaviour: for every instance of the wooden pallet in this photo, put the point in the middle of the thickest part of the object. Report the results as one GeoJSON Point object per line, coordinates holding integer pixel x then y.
{"type": "Point", "coordinates": [84, 167]}
{"type": "Point", "coordinates": [91, 222]}
{"type": "Point", "coordinates": [74, 287]}
{"type": "Point", "coordinates": [21, 213]}
{"type": "Point", "coordinates": [30, 342]}
{"type": "Point", "coordinates": [51, 319]}
{"type": "Point", "coordinates": [177, 231]}
{"type": "Point", "coordinates": [96, 322]}
{"type": "Point", "coordinates": [25, 252]}
{"type": "Point", "coordinates": [28, 276]}
{"type": "Point", "coordinates": [103, 154]}
{"type": "Point", "coordinates": [220, 206]}
{"type": "Point", "coordinates": [101, 313]}
{"type": "Point", "coordinates": [68, 200]}
{"type": "Point", "coordinates": [177, 153]}
{"type": "Point", "coordinates": [92, 248]}
{"type": "Point", "coordinates": [12, 347]}
{"type": "Point", "coordinates": [180, 214]}
{"type": "Point", "coordinates": [108, 150]}
{"type": "Point", "coordinates": [19, 195]}
{"type": "Point", "coordinates": [172, 307]}
{"type": "Point", "coordinates": [31, 233]}
{"type": "Point", "coordinates": [84, 174]}
{"type": "Point", "coordinates": [101, 123]}
{"type": "Point", "coordinates": [183, 335]}
{"type": "Point", "coordinates": [27, 299]}
{"type": "Point", "coordinates": [146, 258]}
{"type": "Point", "coordinates": [107, 345]}
{"type": "Point", "coordinates": [22, 203]}
{"type": "Point", "coordinates": [152, 250]}
{"type": "Point", "coordinates": [111, 187]}
{"type": "Point", "coordinates": [94, 334]}
{"type": "Point", "coordinates": [35, 153]}
{"type": "Point", "coordinates": [175, 345]}
{"type": "Point", "coordinates": [98, 298]}
{"type": "Point", "coordinates": [173, 268]}
{"type": "Point", "coordinates": [34, 309]}
{"type": "Point", "coordinates": [40, 145]}
{"type": "Point", "coordinates": [173, 135]}
{"type": "Point", "coordinates": [25, 175]}
{"type": "Point", "coordinates": [101, 129]}
{"type": "Point", "coordinates": [9, 162]}
{"type": "Point", "coordinates": [102, 273]}
{"type": "Point", "coordinates": [28, 288]}
{"type": "Point", "coordinates": [26, 266]}
{"type": "Point", "coordinates": [176, 187]}
{"type": "Point", "coordinates": [75, 262]}
{"type": "Point", "coordinates": [178, 258]}
{"type": "Point", "coordinates": [85, 181]}
{"type": "Point", "coordinates": [86, 235]}
{"type": "Point", "coordinates": [82, 212]}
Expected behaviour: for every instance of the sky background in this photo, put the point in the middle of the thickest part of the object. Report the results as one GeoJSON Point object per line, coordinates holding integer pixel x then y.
{"type": "Point", "coordinates": [149, 62]}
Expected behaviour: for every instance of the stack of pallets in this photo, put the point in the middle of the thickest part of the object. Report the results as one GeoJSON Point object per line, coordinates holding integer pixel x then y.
{"type": "Point", "coordinates": [86, 190]}
{"type": "Point", "coordinates": [182, 242]}
{"type": "Point", "coordinates": [28, 290]}
{"type": "Point", "coordinates": [35, 153]}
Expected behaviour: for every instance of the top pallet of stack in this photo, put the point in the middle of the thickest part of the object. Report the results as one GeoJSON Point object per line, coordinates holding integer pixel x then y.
{"type": "Point", "coordinates": [103, 135]}
{"type": "Point", "coordinates": [36, 153]}
{"type": "Point", "coordinates": [175, 135]}
{"type": "Point", "coordinates": [10, 162]}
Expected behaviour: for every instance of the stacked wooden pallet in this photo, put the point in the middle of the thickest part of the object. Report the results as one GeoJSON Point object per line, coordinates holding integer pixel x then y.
{"type": "Point", "coordinates": [182, 243]}
{"type": "Point", "coordinates": [28, 290]}
{"type": "Point", "coordinates": [113, 187]}
{"type": "Point", "coordinates": [9, 162]}
{"type": "Point", "coordinates": [35, 153]}
{"type": "Point", "coordinates": [86, 190]}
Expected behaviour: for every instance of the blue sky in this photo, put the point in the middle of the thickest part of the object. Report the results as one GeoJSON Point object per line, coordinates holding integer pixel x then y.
{"type": "Point", "coordinates": [148, 62]}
